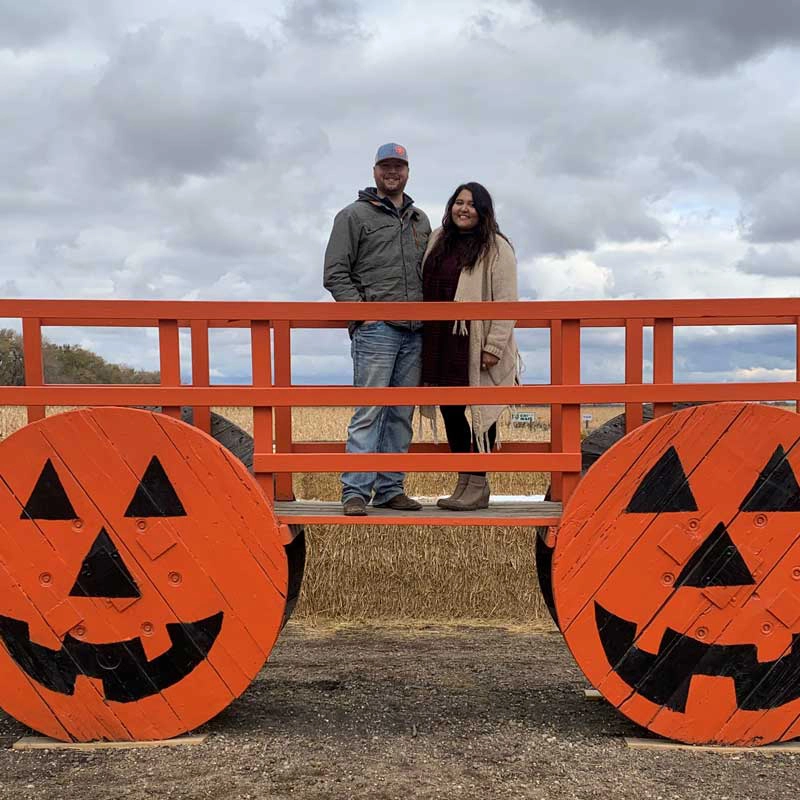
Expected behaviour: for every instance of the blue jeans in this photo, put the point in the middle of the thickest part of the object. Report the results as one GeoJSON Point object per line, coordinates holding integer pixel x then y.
{"type": "Point", "coordinates": [382, 356]}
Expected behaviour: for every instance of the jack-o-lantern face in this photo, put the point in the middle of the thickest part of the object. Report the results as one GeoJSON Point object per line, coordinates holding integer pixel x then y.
{"type": "Point", "coordinates": [142, 581]}
{"type": "Point", "coordinates": [676, 574]}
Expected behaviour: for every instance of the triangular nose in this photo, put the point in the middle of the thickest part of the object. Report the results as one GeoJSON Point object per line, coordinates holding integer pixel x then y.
{"type": "Point", "coordinates": [717, 562]}
{"type": "Point", "coordinates": [103, 572]}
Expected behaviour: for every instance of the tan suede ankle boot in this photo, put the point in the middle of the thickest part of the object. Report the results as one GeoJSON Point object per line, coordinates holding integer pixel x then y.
{"type": "Point", "coordinates": [463, 477]}
{"type": "Point", "coordinates": [474, 496]}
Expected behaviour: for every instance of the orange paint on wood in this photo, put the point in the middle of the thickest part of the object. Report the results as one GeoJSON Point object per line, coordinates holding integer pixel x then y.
{"type": "Point", "coordinates": [663, 357]}
{"type": "Point", "coordinates": [283, 416]}
{"type": "Point", "coordinates": [634, 353]}
{"type": "Point", "coordinates": [108, 311]}
{"type": "Point", "coordinates": [317, 396]}
{"type": "Point", "coordinates": [34, 366]}
{"type": "Point", "coordinates": [676, 575]}
{"type": "Point", "coordinates": [262, 415]}
{"type": "Point", "coordinates": [571, 413]}
{"type": "Point", "coordinates": [797, 357]}
{"type": "Point", "coordinates": [556, 410]}
{"type": "Point", "coordinates": [201, 370]}
{"type": "Point", "coordinates": [169, 360]}
{"type": "Point", "coordinates": [159, 543]}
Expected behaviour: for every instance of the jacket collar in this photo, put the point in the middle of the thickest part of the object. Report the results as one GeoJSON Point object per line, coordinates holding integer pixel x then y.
{"type": "Point", "coordinates": [370, 195]}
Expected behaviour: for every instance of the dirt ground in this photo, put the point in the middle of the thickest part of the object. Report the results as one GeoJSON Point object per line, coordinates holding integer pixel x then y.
{"type": "Point", "coordinates": [423, 712]}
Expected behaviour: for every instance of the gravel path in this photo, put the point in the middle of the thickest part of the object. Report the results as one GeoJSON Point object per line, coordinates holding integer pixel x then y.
{"type": "Point", "coordinates": [422, 712]}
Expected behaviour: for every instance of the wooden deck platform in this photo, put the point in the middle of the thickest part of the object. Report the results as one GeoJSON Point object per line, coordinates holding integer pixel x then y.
{"type": "Point", "coordinates": [523, 513]}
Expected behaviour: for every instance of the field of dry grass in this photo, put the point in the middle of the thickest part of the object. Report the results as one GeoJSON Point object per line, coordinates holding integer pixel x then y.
{"type": "Point", "coordinates": [397, 573]}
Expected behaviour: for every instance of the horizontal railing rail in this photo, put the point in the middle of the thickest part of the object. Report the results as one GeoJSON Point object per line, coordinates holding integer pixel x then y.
{"type": "Point", "coordinates": [272, 394]}
{"type": "Point", "coordinates": [755, 311]}
{"type": "Point", "coordinates": [344, 396]}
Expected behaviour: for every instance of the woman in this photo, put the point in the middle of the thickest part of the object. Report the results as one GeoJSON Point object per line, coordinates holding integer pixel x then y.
{"type": "Point", "coordinates": [468, 259]}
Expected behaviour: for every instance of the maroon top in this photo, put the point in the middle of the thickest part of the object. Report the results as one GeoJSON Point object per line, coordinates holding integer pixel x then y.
{"type": "Point", "coordinates": [445, 355]}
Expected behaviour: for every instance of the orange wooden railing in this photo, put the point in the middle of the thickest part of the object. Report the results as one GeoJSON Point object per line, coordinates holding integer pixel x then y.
{"type": "Point", "coordinates": [272, 394]}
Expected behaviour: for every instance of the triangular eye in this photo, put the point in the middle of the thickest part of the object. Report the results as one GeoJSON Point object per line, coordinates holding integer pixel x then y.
{"type": "Point", "coordinates": [48, 499]}
{"type": "Point", "coordinates": [155, 495]}
{"type": "Point", "coordinates": [717, 562]}
{"type": "Point", "coordinates": [664, 489]}
{"type": "Point", "coordinates": [776, 488]}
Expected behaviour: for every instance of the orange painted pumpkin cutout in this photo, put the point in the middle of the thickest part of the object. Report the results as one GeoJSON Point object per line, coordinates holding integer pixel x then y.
{"type": "Point", "coordinates": [676, 574]}
{"type": "Point", "coordinates": [142, 578]}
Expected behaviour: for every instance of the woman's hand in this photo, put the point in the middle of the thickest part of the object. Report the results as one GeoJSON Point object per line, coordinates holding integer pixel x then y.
{"type": "Point", "coordinates": [488, 360]}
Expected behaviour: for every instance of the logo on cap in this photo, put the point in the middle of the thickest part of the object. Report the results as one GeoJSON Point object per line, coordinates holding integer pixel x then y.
{"type": "Point", "coordinates": [401, 151]}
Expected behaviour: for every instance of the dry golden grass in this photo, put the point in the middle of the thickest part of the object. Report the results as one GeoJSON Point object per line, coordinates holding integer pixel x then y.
{"type": "Point", "coordinates": [400, 573]}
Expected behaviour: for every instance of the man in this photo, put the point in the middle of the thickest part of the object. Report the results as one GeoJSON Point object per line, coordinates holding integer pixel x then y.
{"type": "Point", "coordinates": [375, 254]}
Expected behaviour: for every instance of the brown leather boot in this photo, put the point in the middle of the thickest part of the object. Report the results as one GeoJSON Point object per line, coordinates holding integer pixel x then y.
{"type": "Point", "coordinates": [463, 477]}
{"type": "Point", "coordinates": [474, 496]}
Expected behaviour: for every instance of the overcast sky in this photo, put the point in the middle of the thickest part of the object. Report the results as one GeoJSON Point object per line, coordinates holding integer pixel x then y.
{"type": "Point", "coordinates": [184, 150]}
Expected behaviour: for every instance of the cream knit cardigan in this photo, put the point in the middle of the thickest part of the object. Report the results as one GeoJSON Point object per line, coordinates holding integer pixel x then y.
{"type": "Point", "coordinates": [493, 278]}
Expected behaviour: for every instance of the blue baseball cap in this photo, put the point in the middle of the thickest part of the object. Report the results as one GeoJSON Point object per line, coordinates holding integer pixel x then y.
{"type": "Point", "coordinates": [391, 150]}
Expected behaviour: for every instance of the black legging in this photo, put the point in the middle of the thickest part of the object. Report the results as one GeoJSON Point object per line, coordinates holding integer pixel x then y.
{"type": "Point", "coordinates": [459, 434]}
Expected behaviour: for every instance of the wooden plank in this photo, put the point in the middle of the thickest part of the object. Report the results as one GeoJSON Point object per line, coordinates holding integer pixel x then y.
{"type": "Point", "coordinates": [707, 310]}
{"type": "Point", "coordinates": [591, 322]}
{"type": "Point", "coordinates": [261, 354]}
{"type": "Point", "coordinates": [556, 379]}
{"type": "Point", "coordinates": [508, 514]}
{"type": "Point", "coordinates": [421, 462]}
{"type": "Point", "coordinates": [418, 447]}
{"type": "Point", "coordinates": [571, 412]}
{"type": "Point", "coordinates": [201, 370]}
{"type": "Point", "coordinates": [797, 358]}
{"type": "Point", "coordinates": [32, 362]}
{"type": "Point", "coordinates": [46, 743]}
{"type": "Point", "coordinates": [634, 355]}
{"type": "Point", "coordinates": [317, 396]}
{"type": "Point", "coordinates": [283, 416]}
{"type": "Point", "coordinates": [169, 352]}
{"type": "Point", "coordinates": [636, 743]}
{"type": "Point", "coordinates": [663, 360]}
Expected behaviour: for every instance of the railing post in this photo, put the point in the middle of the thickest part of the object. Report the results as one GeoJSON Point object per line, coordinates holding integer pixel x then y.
{"type": "Point", "coordinates": [201, 372]}
{"type": "Point", "coordinates": [663, 360]}
{"type": "Point", "coordinates": [797, 359]}
{"type": "Point", "coordinates": [169, 356]}
{"type": "Point", "coordinates": [571, 413]}
{"type": "Point", "coordinates": [32, 361]}
{"type": "Point", "coordinates": [556, 378]}
{"type": "Point", "coordinates": [283, 416]}
{"type": "Point", "coordinates": [634, 354]}
{"type": "Point", "coordinates": [262, 415]}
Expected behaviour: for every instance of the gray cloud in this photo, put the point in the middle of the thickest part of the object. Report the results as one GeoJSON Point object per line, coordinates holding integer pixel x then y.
{"type": "Point", "coordinates": [184, 100]}
{"type": "Point", "coordinates": [26, 25]}
{"type": "Point", "coordinates": [774, 261]}
{"type": "Point", "coordinates": [562, 215]}
{"type": "Point", "coordinates": [323, 21]}
{"type": "Point", "coordinates": [772, 215]}
{"type": "Point", "coordinates": [704, 37]}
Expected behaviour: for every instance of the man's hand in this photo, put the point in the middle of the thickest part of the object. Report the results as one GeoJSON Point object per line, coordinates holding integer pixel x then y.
{"type": "Point", "coordinates": [488, 360]}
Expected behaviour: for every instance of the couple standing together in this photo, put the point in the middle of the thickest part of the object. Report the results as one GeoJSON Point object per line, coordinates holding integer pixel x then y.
{"type": "Point", "coordinates": [381, 249]}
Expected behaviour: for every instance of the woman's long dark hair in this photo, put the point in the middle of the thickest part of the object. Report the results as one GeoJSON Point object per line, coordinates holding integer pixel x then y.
{"type": "Point", "coordinates": [476, 244]}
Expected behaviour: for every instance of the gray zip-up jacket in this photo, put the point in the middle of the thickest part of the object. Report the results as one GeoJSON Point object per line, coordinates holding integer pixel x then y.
{"type": "Point", "coordinates": [375, 252]}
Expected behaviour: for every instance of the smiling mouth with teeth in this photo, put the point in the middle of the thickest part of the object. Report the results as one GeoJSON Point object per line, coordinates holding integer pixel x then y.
{"type": "Point", "coordinates": [123, 667]}
{"type": "Point", "coordinates": [664, 677]}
